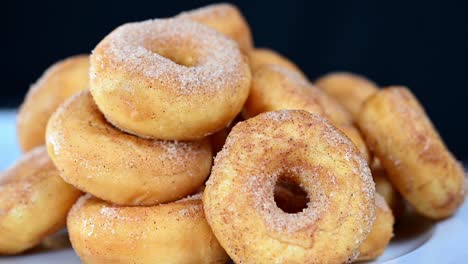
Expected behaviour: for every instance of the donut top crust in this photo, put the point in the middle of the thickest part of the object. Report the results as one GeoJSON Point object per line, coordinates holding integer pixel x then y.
{"type": "Point", "coordinates": [262, 179]}
{"type": "Point", "coordinates": [139, 49]}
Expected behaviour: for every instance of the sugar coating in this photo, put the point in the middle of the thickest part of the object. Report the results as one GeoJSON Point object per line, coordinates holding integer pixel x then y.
{"type": "Point", "coordinates": [137, 47]}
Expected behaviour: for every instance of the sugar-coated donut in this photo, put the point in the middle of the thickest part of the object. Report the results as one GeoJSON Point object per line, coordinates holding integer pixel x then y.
{"type": "Point", "coordinates": [171, 79]}
{"type": "Point", "coordinates": [34, 202]}
{"type": "Point", "coordinates": [176, 232]}
{"type": "Point", "coordinates": [299, 147]}
{"type": "Point", "coordinates": [121, 168]}
{"type": "Point", "coordinates": [275, 87]}
{"type": "Point", "coordinates": [412, 153]}
{"type": "Point", "coordinates": [60, 81]}
{"type": "Point", "coordinates": [351, 90]}
{"type": "Point", "coordinates": [382, 231]}
{"type": "Point", "coordinates": [260, 57]}
{"type": "Point", "coordinates": [225, 18]}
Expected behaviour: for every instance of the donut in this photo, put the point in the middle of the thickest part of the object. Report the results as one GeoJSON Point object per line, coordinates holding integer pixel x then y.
{"type": "Point", "coordinates": [382, 231]}
{"type": "Point", "coordinates": [412, 153]}
{"type": "Point", "coordinates": [275, 87]}
{"type": "Point", "coordinates": [349, 89]}
{"type": "Point", "coordinates": [260, 57]}
{"type": "Point", "coordinates": [169, 79]}
{"type": "Point", "coordinates": [176, 232]}
{"type": "Point", "coordinates": [121, 168]}
{"type": "Point", "coordinates": [60, 81]}
{"type": "Point", "coordinates": [34, 202]}
{"type": "Point", "coordinates": [304, 149]}
{"type": "Point", "coordinates": [225, 18]}
{"type": "Point", "coordinates": [384, 187]}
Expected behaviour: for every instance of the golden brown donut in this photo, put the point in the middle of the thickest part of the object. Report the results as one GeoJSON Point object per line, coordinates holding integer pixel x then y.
{"type": "Point", "coordinates": [176, 232]}
{"type": "Point", "coordinates": [60, 81]}
{"type": "Point", "coordinates": [303, 148]}
{"type": "Point", "coordinates": [382, 231]}
{"type": "Point", "coordinates": [171, 79]}
{"type": "Point", "coordinates": [351, 90]}
{"type": "Point", "coordinates": [275, 87]}
{"type": "Point", "coordinates": [260, 57]}
{"type": "Point", "coordinates": [412, 153]}
{"type": "Point", "coordinates": [34, 202]}
{"type": "Point", "coordinates": [225, 18]}
{"type": "Point", "coordinates": [121, 168]}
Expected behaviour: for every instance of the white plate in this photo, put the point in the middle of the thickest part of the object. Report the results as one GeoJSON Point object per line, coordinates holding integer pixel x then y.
{"type": "Point", "coordinates": [420, 242]}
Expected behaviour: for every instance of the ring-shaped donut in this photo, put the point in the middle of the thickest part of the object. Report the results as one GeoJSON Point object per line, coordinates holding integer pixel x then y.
{"type": "Point", "coordinates": [121, 168]}
{"type": "Point", "coordinates": [412, 153]}
{"type": "Point", "coordinates": [170, 79]}
{"type": "Point", "coordinates": [303, 148]}
{"type": "Point", "coordinates": [176, 232]}
{"type": "Point", "coordinates": [275, 87]}
{"type": "Point", "coordinates": [34, 202]}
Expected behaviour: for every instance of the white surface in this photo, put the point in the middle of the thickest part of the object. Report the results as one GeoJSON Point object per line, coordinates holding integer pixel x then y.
{"type": "Point", "coordinates": [444, 242]}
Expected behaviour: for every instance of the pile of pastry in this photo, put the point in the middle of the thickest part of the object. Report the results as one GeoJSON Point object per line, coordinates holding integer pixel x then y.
{"type": "Point", "coordinates": [177, 141]}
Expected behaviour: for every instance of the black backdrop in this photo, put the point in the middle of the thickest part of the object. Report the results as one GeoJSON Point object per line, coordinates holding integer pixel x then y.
{"type": "Point", "coordinates": [421, 44]}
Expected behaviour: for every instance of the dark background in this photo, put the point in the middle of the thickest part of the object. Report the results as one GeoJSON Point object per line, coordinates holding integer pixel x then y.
{"type": "Point", "coordinates": [421, 44]}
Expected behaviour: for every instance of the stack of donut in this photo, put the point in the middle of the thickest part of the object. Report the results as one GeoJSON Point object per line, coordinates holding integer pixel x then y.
{"type": "Point", "coordinates": [303, 172]}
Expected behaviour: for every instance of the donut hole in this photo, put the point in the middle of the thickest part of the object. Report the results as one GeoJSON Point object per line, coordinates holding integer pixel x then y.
{"type": "Point", "coordinates": [177, 55]}
{"type": "Point", "coordinates": [289, 196]}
